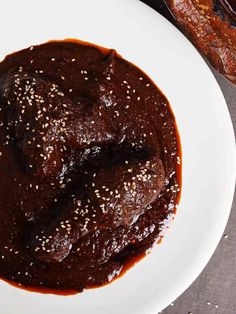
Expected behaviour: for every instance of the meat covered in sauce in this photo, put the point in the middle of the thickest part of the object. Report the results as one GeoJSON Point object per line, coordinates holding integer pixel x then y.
{"type": "Point", "coordinates": [89, 165]}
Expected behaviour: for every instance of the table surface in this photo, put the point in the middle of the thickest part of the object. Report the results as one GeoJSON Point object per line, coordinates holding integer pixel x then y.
{"type": "Point", "coordinates": [214, 292]}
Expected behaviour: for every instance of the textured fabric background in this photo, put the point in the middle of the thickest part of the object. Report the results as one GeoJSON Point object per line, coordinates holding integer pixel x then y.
{"type": "Point", "coordinates": [214, 292]}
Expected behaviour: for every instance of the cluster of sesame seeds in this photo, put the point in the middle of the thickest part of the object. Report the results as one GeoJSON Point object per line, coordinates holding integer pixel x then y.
{"type": "Point", "coordinates": [43, 240]}
{"type": "Point", "coordinates": [66, 225]}
{"type": "Point", "coordinates": [8, 250]}
{"type": "Point", "coordinates": [85, 74]}
{"type": "Point", "coordinates": [173, 188]}
{"type": "Point", "coordinates": [25, 90]}
{"type": "Point", "coordinates": [178, 160]}
{"type": "Point", "coordinates": [104, 195]}
{"type": "Point", "coordinates": [145, 174]}
{"type": "Point", "coordinates": [171, 206]}
{"type": "Point", "coordinates": [130, 92]}
{"type": "Point", "coordinates": [84, 226]}
{"type": "Point", "coordinates": [131, 188]}
{"type": "Point", "coordinates": [116, 113]}
{"type": "Point", "coordinates": [31, 186]}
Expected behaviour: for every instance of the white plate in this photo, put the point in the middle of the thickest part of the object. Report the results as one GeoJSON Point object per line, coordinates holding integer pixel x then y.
{"type": "Point", "coordinates": [149, 41]}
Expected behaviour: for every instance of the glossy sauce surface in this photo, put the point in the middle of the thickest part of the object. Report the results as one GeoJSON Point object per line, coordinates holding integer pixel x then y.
{"type": "Point", "coordinates": [90, 166]}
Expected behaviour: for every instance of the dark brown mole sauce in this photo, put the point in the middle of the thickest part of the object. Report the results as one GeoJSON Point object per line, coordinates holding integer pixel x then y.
{"type": "Point", "coordinates": [44, 90]}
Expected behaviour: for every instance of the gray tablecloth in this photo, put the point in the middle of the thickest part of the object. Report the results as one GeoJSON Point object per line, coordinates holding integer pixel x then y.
{"type": "Point", "coordinates": [214, 292]}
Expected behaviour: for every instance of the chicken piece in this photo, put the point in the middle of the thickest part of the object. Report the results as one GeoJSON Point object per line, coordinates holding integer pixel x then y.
{"type": "Point", "coordinates": [45, 135]}
{"type": "Point", "coordinates": [111, 197]}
